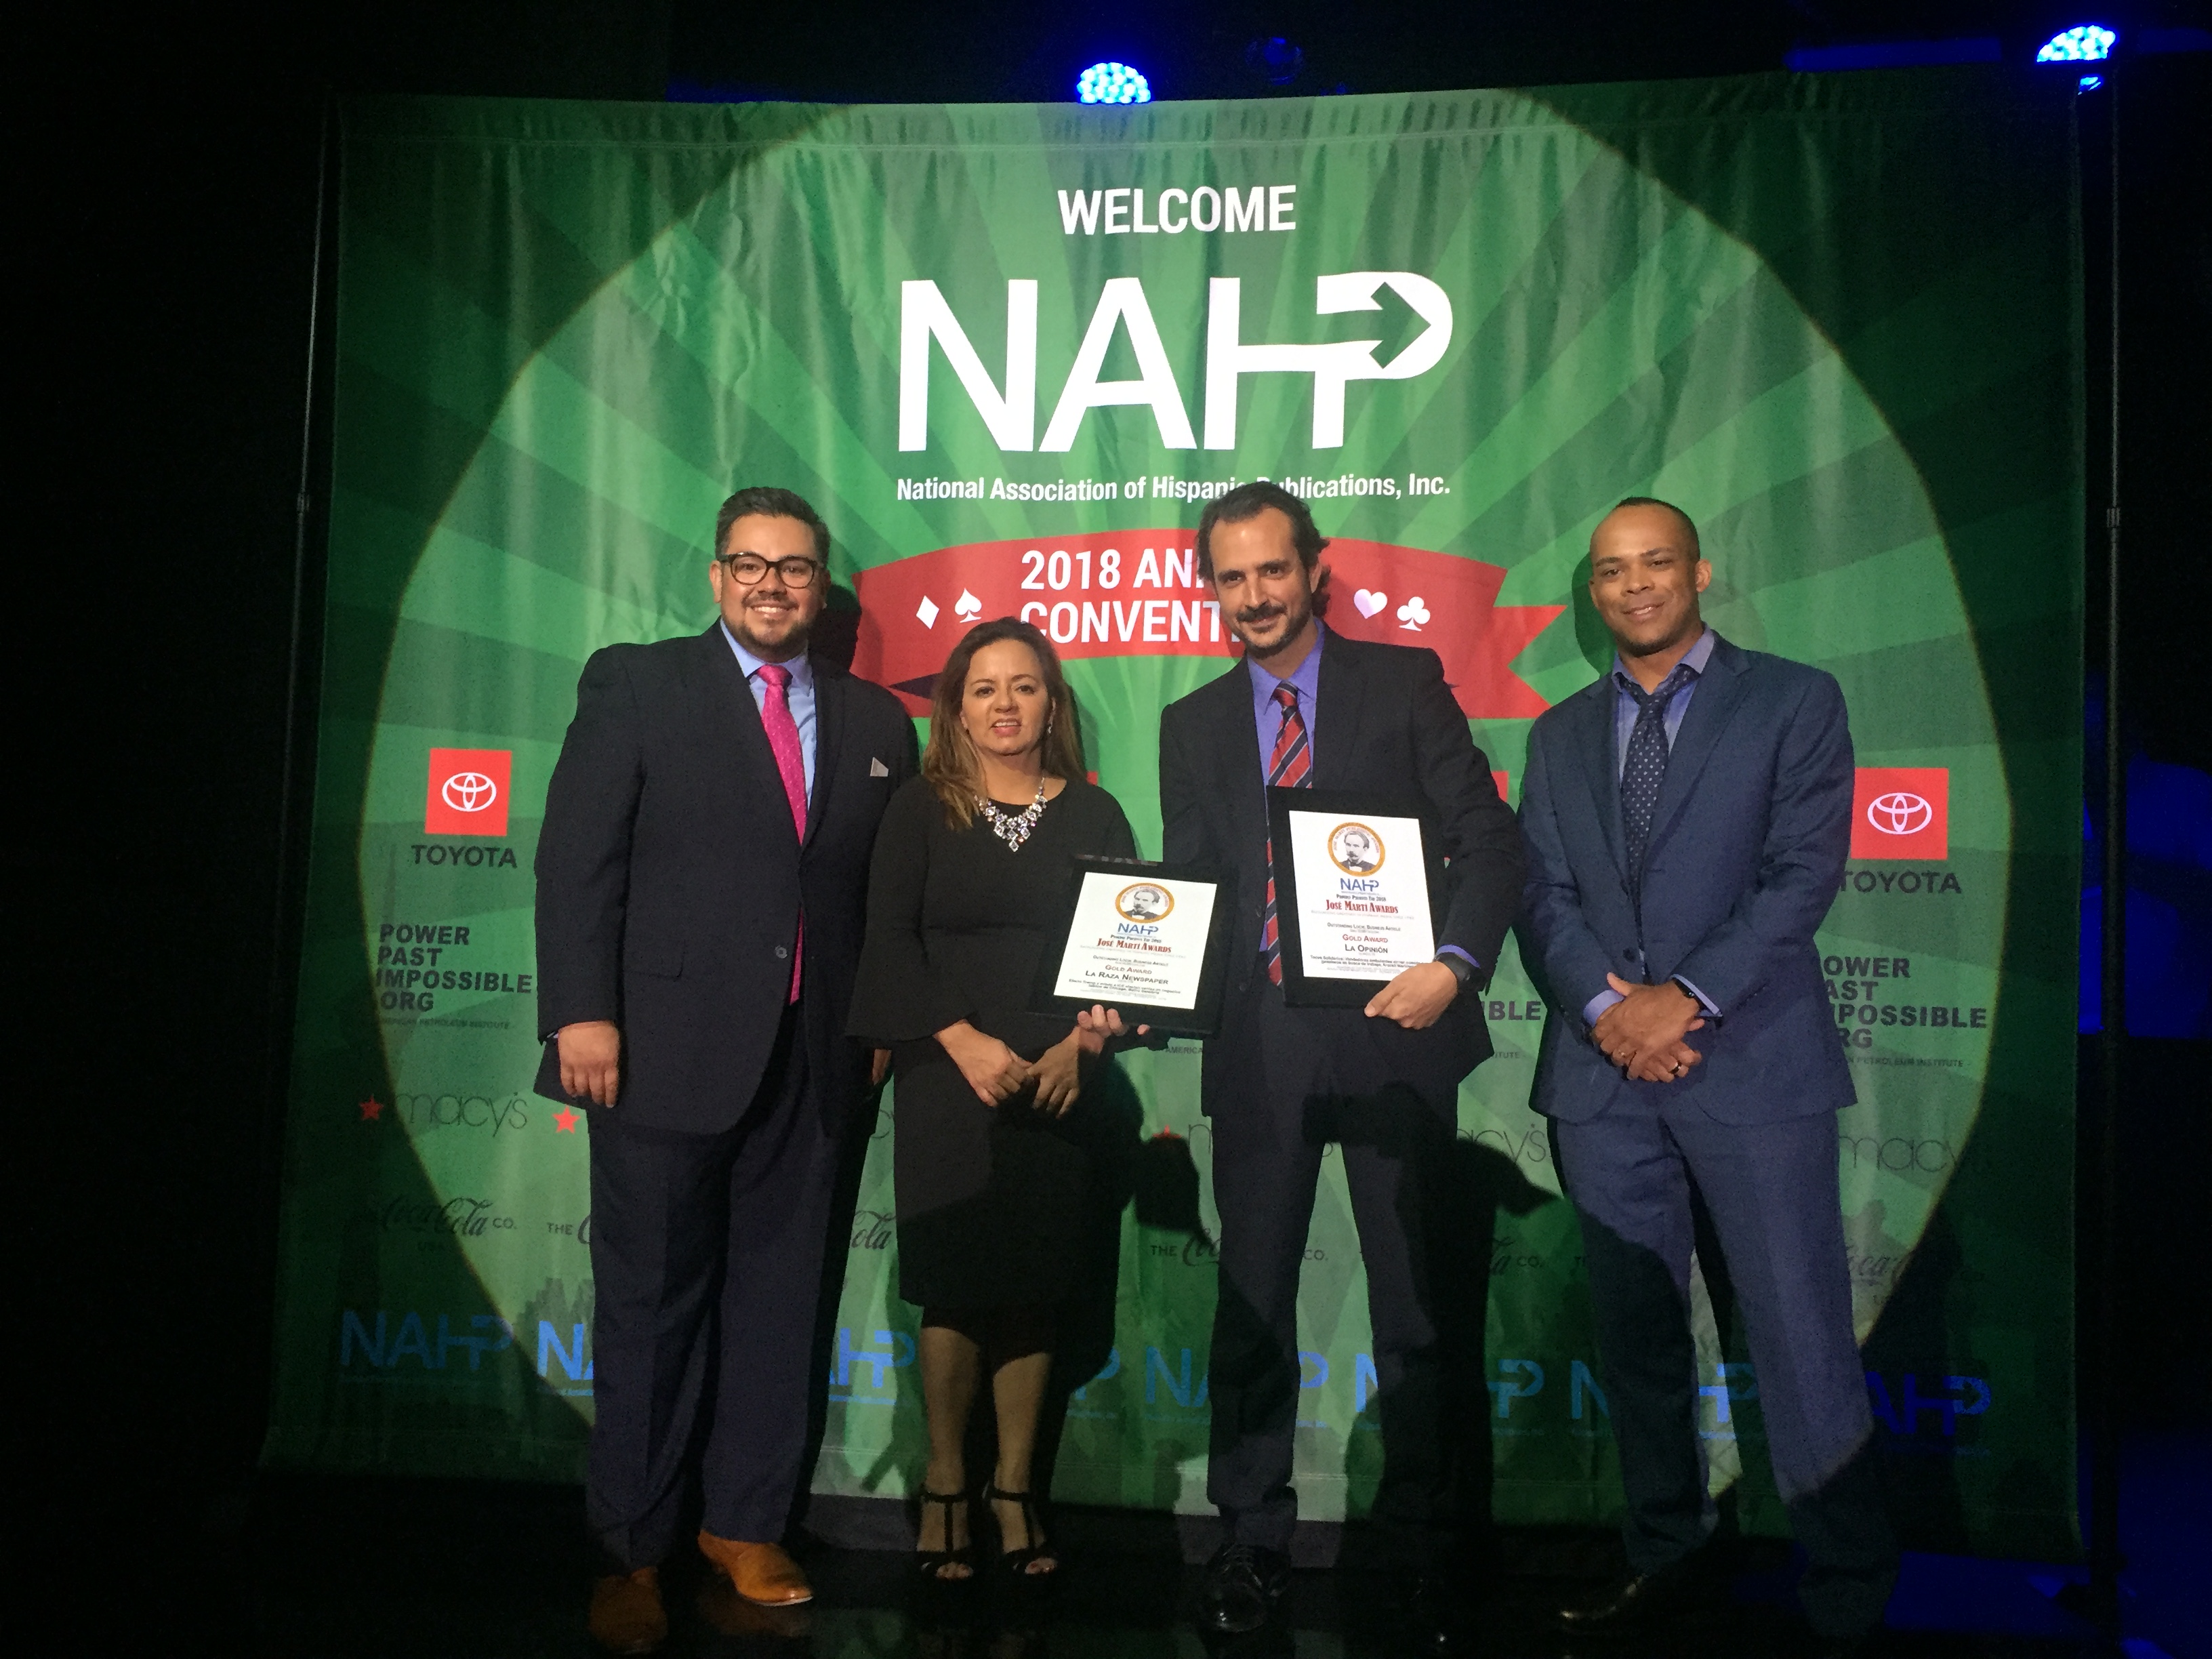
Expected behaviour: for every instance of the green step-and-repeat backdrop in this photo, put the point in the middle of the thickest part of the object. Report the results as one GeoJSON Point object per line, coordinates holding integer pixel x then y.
{"type": "Point", "coordinates": [1009, 352]}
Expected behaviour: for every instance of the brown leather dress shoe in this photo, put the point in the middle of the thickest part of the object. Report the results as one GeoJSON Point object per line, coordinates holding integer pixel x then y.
{"type": "Point", "coordinates": [762, 1573]}
{"type": "Point", "coordinates": [627, 1616]}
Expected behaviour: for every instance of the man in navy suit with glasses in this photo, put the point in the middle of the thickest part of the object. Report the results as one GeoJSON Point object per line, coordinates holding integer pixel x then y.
{"type": "Point", "coordinates": [702, 876]}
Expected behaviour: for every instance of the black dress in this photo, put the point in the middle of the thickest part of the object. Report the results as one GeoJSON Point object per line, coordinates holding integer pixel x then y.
{"type": "Point", "coordinates": [990, 1199]}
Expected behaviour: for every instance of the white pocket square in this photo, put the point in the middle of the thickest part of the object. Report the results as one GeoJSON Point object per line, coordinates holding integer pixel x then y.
{"type": "Point", "coordinates": [877, 768]}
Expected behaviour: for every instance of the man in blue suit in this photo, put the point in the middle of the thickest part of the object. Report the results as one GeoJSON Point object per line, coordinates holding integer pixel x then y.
{"type": "Point", "coordinates": [1686, 820]}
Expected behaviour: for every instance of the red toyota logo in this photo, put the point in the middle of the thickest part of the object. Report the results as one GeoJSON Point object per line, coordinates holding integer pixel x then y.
{"type": "Point", "coordinates": [1900, 812]}
{"type": "Point", "coordinates": [469, 791]}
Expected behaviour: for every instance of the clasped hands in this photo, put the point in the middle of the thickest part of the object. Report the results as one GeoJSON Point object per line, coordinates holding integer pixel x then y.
{"type": "Point", "coordinates": [997, 1073]}
{"type": "Point", "coordinates": [1642, 1032]}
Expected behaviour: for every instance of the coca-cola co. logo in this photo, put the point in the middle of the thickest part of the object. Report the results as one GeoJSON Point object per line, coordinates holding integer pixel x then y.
{"type": "Point", "coordinates": [468, 792]}
{"type": "Point", "coordinates": [1901, 812]}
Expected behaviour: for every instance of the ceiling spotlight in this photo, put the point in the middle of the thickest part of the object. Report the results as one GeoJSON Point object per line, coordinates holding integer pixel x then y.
{"type": "Point", "coordinates": [2090, 43]}
{"type": "Point", "coordinates": [2091, 83]}
{"type": "Point", "coordinates": [1112, 83]}
{"type": "Point", "coordinates": [1275, 60]}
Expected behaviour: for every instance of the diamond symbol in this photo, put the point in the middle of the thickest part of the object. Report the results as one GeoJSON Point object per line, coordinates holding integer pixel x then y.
{"type": "Point", "coordinates": [1413, 614]}
{"type": "Point", "coordinates": [927, 611]}
{"type": "Point", "coordinates": [967, 607]}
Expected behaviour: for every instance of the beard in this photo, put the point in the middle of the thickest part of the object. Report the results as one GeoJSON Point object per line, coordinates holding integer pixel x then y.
{"type": "Point", "coordinates": [1295, 615]}
{"type": "Point", "coordinates": [751, 634]}
{"type": "Point", "coordinates": [1661, 635]}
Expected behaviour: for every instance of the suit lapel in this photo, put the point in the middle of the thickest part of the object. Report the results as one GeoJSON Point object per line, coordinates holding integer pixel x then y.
{"type": "Point", "coordinates": [1599, 748]}
{"type": "Point", "coordinates": [734, 719]}
{"type": "Point", "coordinates": [1719, 693]}
{"type": "Point", "coordinates": [1236, 756]}
{"type": "Point", "coordinates": [828, 729]}
{"type": "Point", "coordinates": [1336, 740]}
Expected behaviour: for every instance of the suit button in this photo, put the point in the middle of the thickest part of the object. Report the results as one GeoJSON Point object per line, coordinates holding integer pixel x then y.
{"type": "Point", "coordinates": [781, 953]}
{"type": "Point", "coordinates": [1631, 954]}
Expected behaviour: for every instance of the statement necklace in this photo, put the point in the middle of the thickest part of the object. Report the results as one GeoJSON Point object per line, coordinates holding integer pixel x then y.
{"type": "Point", "coordinates": [1013, 828]}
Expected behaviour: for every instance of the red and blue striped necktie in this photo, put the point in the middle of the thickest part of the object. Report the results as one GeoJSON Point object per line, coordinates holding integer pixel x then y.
{"type": "Point", "coordinates": [1290, 766]}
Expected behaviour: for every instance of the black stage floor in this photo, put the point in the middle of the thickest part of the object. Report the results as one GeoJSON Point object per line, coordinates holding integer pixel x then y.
{"type": "Point", "coordinates": [309, 1568]}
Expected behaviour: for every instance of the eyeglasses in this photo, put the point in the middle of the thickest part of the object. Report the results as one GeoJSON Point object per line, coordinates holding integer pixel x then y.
{"type": "Point", "coordinates": [747, 568]}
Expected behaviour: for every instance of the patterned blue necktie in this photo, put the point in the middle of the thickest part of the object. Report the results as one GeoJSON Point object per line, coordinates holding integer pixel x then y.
{"type": "Point", "coordinates": [1646, 766]}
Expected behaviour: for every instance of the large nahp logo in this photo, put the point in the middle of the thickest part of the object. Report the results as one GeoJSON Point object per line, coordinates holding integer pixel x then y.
{"type": "Point", "coordinates": [468, 791]}
{"type": "Point", "coordinates": [1901, 812]}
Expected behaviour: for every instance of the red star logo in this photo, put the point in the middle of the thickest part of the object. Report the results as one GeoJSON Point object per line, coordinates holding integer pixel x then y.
{"type": "Point", "coordinates": [564, 1121]}
{"type": "Point", "coordinates": [372, 1110]}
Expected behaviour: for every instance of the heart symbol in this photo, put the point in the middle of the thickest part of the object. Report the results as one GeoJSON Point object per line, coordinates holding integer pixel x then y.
{"type": "Point", "coordinates": [1369, 600]}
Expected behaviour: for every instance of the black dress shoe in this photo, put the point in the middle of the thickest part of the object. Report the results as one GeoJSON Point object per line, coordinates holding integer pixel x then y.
{"type": "Point", "coordinates": [1629, 1601]}
{"type": "Point", "coordinates": [1429, 1617]}
{"type": "Point", "coordinates": [1244, 1582]}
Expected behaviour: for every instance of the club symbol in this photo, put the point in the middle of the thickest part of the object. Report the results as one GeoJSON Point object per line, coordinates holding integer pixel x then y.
{"type": "Point", "coordinates": [1413, 614]}
{"type": "Point", "coordinates": [927, 611]}
{"type": "Point", "coordinates": [1369, 600]}
{"type": "Point", "coordinates": [966, 607]}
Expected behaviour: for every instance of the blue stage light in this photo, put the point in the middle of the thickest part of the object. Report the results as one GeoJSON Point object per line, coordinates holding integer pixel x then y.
{"type": "Point", "coordinates": [1112, 83]}
{"type": "Point", "coordinates": [2088, 44]}
{"type": "Point", "coordinates": [2091, 83]}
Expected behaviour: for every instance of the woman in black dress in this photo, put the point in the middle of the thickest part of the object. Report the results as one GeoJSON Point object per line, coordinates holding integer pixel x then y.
{"type": "Point", "coordinates": [970, 874]}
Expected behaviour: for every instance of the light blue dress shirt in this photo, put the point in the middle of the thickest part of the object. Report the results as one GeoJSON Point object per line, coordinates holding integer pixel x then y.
{"type": "Point", "coordinates": [1624, 725]}
{"type": "Point", "coordinates": [1625, 709]}
{"type": "Point", "coordinates": [797, 697]}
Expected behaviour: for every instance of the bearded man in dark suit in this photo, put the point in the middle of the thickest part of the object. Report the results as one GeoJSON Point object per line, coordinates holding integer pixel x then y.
{"type": "Point", "coordinates": [1306, 707]}
{"type": "Point", "coordinates": [700, 881]}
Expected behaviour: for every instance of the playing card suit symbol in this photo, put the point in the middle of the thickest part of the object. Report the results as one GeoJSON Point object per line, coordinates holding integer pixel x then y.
{"type": "Point", "coordinates": [1369, 600]}
{"type": "Point", "coordinates": [966, 607]}
{"type": "Point", "coordinates": [927, 611]}
{"type": "Point", "coordinates": [1413, 614]}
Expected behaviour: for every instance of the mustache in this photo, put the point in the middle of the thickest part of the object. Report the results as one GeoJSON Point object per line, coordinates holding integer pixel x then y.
{"type": "Point", "coordinates": [1267, 612]}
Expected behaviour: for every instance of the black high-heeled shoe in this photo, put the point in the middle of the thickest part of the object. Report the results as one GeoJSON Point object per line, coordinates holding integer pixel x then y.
{"type": "Point", "coordinates": [1015, 1563]}
{"type": "Point", "coordinates": [930, 1565]}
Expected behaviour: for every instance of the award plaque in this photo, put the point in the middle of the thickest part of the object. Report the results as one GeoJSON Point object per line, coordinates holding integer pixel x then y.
{"type": "Point", "coordinates": [1148, 939]}
{"type": "Point", "coordinates": [1353, 875]}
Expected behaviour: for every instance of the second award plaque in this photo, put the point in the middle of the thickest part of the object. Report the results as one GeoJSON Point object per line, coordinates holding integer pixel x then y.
{"type": "Point", "coordinates": [1146, 938]}
{"type": "Point", "coordinates": [1352, 880]}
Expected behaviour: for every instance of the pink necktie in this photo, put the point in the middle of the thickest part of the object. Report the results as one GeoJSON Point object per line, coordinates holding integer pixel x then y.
{"type": "Point", "coordinates": [791, 762]}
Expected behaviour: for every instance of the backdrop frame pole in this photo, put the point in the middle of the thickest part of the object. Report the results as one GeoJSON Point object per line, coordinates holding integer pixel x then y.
{"type": "Point", "coordinates": [281, 957]}
{"type": "Point", "coordinates": [2104, 1561]}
